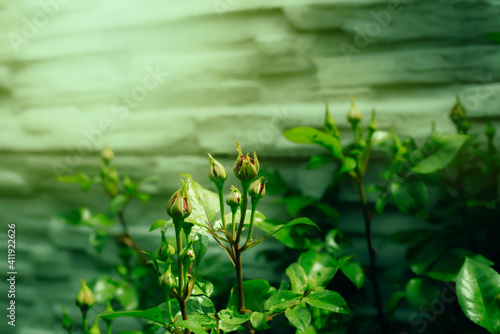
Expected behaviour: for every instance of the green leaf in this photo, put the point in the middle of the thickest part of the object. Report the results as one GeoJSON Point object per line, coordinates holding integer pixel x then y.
{"type": "Point", "coordinates": [202, 287]}
{"type": "Point", "coordinates": [143, 197]}
{"type": "Point", "coordinates": [420, 292]}
{"type": "Point", "coordinates": [319, 268]}
{"type": "Point", "coordinates": [494, 36]}
{"type": "Point", "coordinates": [337, 243]}
{"type": "Point", "coordinates": [233, 317]}
{"type": "Point", "coordinates": [348, 164]}
{"type": "Point", "coordinates": [104, 220]}
{"type": "Point", "coordinates": [258, 321]}
{"type": "Point", "coordinates": [193, 326]}
{"type": "Point", "coordinates": [308, 135]}
{"type": "Point", "coordinates": [317, 161]}
{"type": "Point", "coordinates": [328, 300]}
{"type": "Point", "coordinates": [104, 289]}
{"type": "Point", "coordinates": [300, 317]}
{"type": "Point", "coordinates": [380, 203]}
{"type": "Point", "coordinates": [354, 272]}
{"type": "Point", "coordinates": [98, 239]}
{"type": "Point", "coordinates": [205, 203]}
{"type": "Point", "coordinates": [126, 294]}
{"type": "Point", "coordinates": [200, 246]}
{"type": "Point", "coordinates": [282, 300]}
{"type": "Point", "coordinates": [297, 221]}
{"type": "Point", "coordinates": [80, 216]}
{"type": "Point", "coordinates": [292, 237]}
{"type": "Point", "coordinates": [445, 148]}
{"type": "Point", "coordinates": [297, 277]}
{"type": "Point", "coordinates": [424, 254]}
{"type": "Point", "coordinates": [256, 293]}
{"type": "Point", "coordinates": [117, 204]}
{"type": "Point", "coordinates": [200, 305]}
{"type": "Point", "coordinates": [478, 292]}
{"type": "Point", "coordinates": [296, 203]}
{"type": "Point", "coordinates": [153, 314]}
{"type": "Point", "coordinates": [393, 303]}
{"type": "Point", "coordinates": [450, 262]}
{"type": "Point", "coordinates": [156, 224]}
{"type": "Point", "coordinates": [410, 196]}
{"type": "Point", "coordinates": [81, 178]}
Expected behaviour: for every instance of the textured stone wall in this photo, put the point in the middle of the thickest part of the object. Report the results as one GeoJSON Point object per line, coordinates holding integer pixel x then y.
{"type": "Point", "coordinates": [162, 82]}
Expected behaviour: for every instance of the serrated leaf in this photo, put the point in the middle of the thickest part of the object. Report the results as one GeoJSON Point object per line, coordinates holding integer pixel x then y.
{"type": "Point", "coordinates": [478, 292]}
{"type": "Point", "coordinates": [300, 317]}
{"type": "Point", "coordinates": [328, 300]}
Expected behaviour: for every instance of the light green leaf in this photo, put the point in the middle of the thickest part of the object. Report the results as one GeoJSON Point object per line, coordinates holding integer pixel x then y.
{"type": "Point", "coordinates": [117, 204]}
{"type": "Point", "coordinates": [156, 224]}
{"type": "Point", "coordinates": [81, 178]}
{"type": "Point", "coordinates": [292, 237]}
{"type": "Point", "coordinates": [300, 317]}
{"type": "Point", "coordinates": [297, 277]}
{"type": "Point", "coordinates": [393, 303]}
{"type": "Point", "coordinates": [445, 148]}
{"type": "Point", "coordinates": [205, 203]}
{"type": "Point", "coordinates": [258, 321]}
{"type": "Point", "coordinates": [193, 326]}
{"type": "Point", "coordinates": [308, 135]}
{"type": "Point", "coordinates": [410, 196]}
{"type": "Point", "coordinates": [200, 246]}
{"type": "Point", "coordinates": [297, 221]}
{"type": "Point", "coordinates": [98, 239]}
{"type": "Point", "coordinates": [296, 203]}
{"type": "Point", "coordinates": [282, 300]}
{"type": "Point", "coordinates": [478, 292]}
{"type": "Point", "coordinates": [319, 268]}
{"type": "Point", "coordinates": [348, 164]}
{"type": "Point", "coordinates": [256, 293]}
{"type": "Point", "coordinates": [328, 300]}
{"type": "Point", "coordinates": [233, 317]}
{"type": "Point", "coordinates": [317, 161]}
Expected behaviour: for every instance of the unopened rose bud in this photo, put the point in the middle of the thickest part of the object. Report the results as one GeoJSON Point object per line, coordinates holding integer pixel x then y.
{"type": "Point", "coordinates": [234, 199]}
{"type": "Point", "coordinates": [354, 115]}
{"type": "Point", "coordinates": [373, 126]}
{"type": "Point", "coordinates": [67, 323]}
{"type": "Point", "coordinates": [188, 256]}
{"type": "Point", "coordinates": [166, 252]}
{"type": "Point", "coordinates": [330, 124]}
{"type": "Point", "coordinates": [107, 155]}
{"type": "Point", "coordinates": [458, 114]}
{"type": "Point", "coordinates": [245, 168]}
{"type": "Point", "coordinates": [179, 205]}
{"type": "Point", "coordinates": [257, 189]}
{"type": "Point", "coordinates": [167, 280]}
{"type": "Point", "coordinates": [216, 173]}
{"type": "Point", "coordinates": [85, 298]}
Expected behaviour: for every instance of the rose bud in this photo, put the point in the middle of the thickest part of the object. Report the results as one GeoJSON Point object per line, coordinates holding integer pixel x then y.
{"type": "Point", "coordinates": [217, 173]}
{"type": "Point", "coordinates": [458, 114]}
{"type": "Point", "coordinates": [245, 168]}
{"type": "Point", "coordinates": [107, 155]}
{"type": "Point", "coordinates": [85, 298]}
{"type": "Point", "coordinates": [167, 280]}
{"type": "Point", "coordinates": [234, 199]}
{"type": "Point", "coordinates": [330, 124]}
{"type": "Point", "coordinates": [179, 205]}
{"type": "Point", "coordinates": [257, 189]}
{"type": "Point", "coordinates": [354, 115]}
{"type": "Point", "coordinates": [188, 256]}
{"type": "Point", "coordinates": [373, 126]}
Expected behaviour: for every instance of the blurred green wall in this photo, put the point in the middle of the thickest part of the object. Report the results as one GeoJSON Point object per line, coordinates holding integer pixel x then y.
{"type": "Point", "coordinates": [163, 82]}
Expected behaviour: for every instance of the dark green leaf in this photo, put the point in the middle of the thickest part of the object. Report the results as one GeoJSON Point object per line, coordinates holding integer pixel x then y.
{"type": "Point", "coordinates": [393, 303]}
{"type": "Point", "coordinates": [200, 305]}
{"type": "Point", "coordinates": [292, 237]}
{"type": "Point", "coordinates": [327, 210]}
{"type": "Point", "coordinates": [410, 196]}
{"type": "Point", "coordinates": [80, 216]}
{"type": "Point", "coordinates": [328, 300]}
{"type": "Point", "coordinates": [353, 271]}
{"type": "Point", "coordinates": [98, 239]}
{"type": "Point", "coordinates": [300, 317]}
{"type": "Point", "coordinates": [282, 300]}
{"type": "Point", "coordinates": [424, 254]}
{"type": "Point", "coordinates": [478, 292]}
{"type": "Point", "coordinates": [256, 293]}
{"type": "Point", "coordinates": [445, 148]}
{"type": "Point", "coordinates": [202, 287]}
{"type": "Point", "coordinates": [450, 262]}
{"type": "Point", "coordinates": [297, 277]}
{"type": "Point", "coordinates": [380, 203]}
{"type": "Point", "coordinates": [494, 36]}
{"type": "Point", "coordinates": [420, 292]}
{"type": "Point", "coordinates": [307, 135]}
{"type": "Point", "coordinates": [153, 314]}
{"type": "Point", "coordinates": [296, 203]}
{"type": "Point", "coordinates": [297, 221]}
{"type": "Point", "coordinates": [317, 161]}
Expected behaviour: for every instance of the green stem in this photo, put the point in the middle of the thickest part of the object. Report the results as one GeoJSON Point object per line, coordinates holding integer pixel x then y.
{"type": "Point", "coordinates": [244, 205]}
{"type": "Point", "coordinates": [371, 253]}
{"type": "Point", "coordinates": [84, 322]}
{"type": "Point", "coordinates": [239, 278]}
{"type": "Point", "coordinates": [221, 204]}
{"type": "Point", "coordinates": [255, 201]}
{"type": "Point", "coordinates": [233, 224]}
{"type": "Point", "coordinates": [169, 305]}
{"type": "Point", "coordinates": [108, 328]}
{"type": "Point", "coordinates": [180, 265]}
